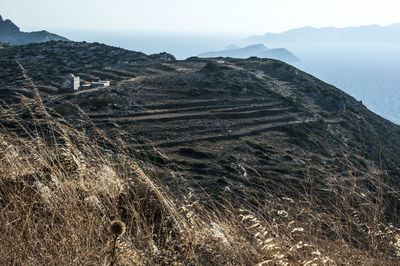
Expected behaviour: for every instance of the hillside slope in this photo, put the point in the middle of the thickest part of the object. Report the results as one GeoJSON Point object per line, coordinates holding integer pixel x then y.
{"type": "Point", "coordinates": [261, 113]}
{"type": "Point", "coordinates": [254, 136]}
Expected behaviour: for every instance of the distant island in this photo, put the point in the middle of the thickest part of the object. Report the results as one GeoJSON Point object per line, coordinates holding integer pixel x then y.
{"type": "Point", "coordinates": [10, 33]}
{"type": "Point", "coordinates": [371, 34]}
{"type": "Point", "coordinates": [258, 50]}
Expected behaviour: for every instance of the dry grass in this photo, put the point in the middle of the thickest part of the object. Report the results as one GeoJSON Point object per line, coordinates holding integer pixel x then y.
{"type": "Point", "coordinates": [60, 188]}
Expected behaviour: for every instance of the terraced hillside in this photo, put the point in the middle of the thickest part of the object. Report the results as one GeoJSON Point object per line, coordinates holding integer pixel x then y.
{"type": "Point", "coordinates": [48, 63]}
{"type": "Point", "coordinates": [227, 125]}
{"type": "Point", "coordinates": [213, 161]}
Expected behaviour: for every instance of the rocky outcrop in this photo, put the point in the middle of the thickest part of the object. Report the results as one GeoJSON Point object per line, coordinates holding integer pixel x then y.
{"type": "Point", "coordinates": [10, 33]}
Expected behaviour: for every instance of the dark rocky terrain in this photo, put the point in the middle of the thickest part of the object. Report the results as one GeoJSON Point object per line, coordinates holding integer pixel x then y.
{"type": "Point", "coordinates": [11, 34]}
{"type": "Point", "coordinates": [214, 161]}
{"type": "Point", "coordinates": [225, 126]}
{"type": "Point", "coordinates": [48, 63]}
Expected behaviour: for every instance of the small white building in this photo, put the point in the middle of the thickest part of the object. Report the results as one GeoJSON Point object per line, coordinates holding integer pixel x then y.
{"type": "Point", "coordinates": [71, 82]}
{"type": "Point", "coordinates": [101, 83]}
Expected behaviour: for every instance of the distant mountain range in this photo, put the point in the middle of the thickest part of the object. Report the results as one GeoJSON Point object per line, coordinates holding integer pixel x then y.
{"type": "Point", "coordinates": [10, 33]}
{"type": "Point", "coordinates": [258, 50]}
{"type": "Point", "coordinates": [371, 34]}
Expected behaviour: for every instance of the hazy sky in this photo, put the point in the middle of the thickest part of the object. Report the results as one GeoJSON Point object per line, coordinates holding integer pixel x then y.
{"type": "Point", "coordinates": [201, 16]}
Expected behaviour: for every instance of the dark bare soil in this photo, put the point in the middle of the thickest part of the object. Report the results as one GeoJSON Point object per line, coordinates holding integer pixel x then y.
{"type": "Point", "coordinates": [227, 126]}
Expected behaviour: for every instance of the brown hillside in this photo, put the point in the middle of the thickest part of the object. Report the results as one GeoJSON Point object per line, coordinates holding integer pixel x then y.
{"type": "Point", "coordinates": [245, 133]}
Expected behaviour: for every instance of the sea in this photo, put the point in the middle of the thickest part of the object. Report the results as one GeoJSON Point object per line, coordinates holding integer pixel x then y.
{"type": "Point", "coordinates": [370, 74]}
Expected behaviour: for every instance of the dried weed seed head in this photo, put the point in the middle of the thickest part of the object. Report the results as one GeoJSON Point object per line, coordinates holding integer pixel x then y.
{"type": "Point", "coordinates": [117, 228]}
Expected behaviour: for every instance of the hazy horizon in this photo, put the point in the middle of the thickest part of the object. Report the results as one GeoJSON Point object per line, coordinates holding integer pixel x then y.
{"type": "Point", "coordinates": [251, 17]}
